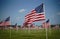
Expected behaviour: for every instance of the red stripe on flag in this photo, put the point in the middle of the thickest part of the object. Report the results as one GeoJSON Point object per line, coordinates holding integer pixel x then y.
{"type": "Point", "coordinates": [2, 24]}
{"type": "Point", "coordinates": [7, 23]}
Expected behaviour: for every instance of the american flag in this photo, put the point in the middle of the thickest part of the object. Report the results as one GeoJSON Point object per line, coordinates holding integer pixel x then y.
{"type": "Point", "coordinates": [7, 21]}
{"type": "Point", "coordinates": [15, 25]}
{"type": "Point", "coordinates": [36, 14]}
{"type": "Point", "coordinates": [1, 23]}
{"type": "Point", "coordinates": [46, 24]}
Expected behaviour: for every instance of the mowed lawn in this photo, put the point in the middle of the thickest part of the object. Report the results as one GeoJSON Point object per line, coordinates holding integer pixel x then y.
{"type": "Point", "coordinates": [30, 34]}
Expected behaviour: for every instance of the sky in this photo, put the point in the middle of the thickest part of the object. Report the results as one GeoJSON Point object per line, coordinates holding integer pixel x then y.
{"type": "Point", "coordinates": [18, 9]}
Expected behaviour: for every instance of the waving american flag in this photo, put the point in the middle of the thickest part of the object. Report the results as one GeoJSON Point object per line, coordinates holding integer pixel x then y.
{"type": "Point", "coordinates": [36, 14]}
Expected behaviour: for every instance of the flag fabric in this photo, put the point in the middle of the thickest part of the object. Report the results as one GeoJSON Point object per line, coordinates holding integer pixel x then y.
{"type": "Point", "coordinates": [47, 21]}
{"type": "Point", "coordinates": [43, 24]}
{"type": "Point", "coordinates": [15, 25]}
{"type": "Point", "coordinates": [36, 14]}
{"type": "Point", "coordinates": [7, 21]}
{"type": "Point", "coordinates": [29, 17]}
{"type": "Point", "coordinates": [46, 24]}
{"type": "Point", "coordinates": [25, 24]}
{"type": "Point", "coordinates": [1, 23]}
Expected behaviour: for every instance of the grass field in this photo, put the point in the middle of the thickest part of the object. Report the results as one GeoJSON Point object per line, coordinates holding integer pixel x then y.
{"type": "Point", "coordinates": [30, 34]}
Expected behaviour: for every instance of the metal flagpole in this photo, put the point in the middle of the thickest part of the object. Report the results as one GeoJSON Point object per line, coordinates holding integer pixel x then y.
{"type": "Point", "coordinates": [46, 34]}
{"type": "Point", "coordinates": [46, 31]}
{"type": "Point", "coordinates": [45, 23]}
{"type": "Point", "coordinates": [10, 30]}
{"type": "Point", "coordinates": [29, 28]}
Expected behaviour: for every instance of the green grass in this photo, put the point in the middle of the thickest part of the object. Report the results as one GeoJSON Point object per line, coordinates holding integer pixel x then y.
{"type": "Point", "coordinates": [32, 34]}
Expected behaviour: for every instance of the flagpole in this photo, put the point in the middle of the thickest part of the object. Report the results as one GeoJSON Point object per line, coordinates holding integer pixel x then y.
{"type": "Point", "coordinates": [29, 27]}
{"type": "Point", "coordinates": [10, 33]}
{"type": "Point", "coordinates": [45, 23]}
{"type": "Point", "coordinates": [46, 30]}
